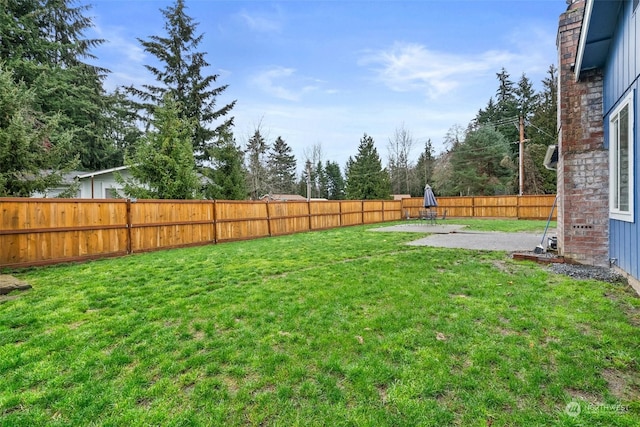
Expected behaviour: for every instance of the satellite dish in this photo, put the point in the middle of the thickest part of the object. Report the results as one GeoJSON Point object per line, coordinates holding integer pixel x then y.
{"type": "Point", "coordinates": [551, 158]}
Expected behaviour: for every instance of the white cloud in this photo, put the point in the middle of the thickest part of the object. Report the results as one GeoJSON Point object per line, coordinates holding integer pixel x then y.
{"type": "Point", "coordinates": [261, 23]}
{"type": "Point", "coordinates": [124, 56]}
{"type": "Point", "coordinates": [412, 67]}
{"type": "Point", "coordinates": [274, 81]}
{"type": "Point", "coordinates": [116, 42]}
{"type": "Point", "coordinates": [408, 67]}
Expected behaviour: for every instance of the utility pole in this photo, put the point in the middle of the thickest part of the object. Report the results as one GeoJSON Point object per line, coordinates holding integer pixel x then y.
{"type": "Point", "coordinates": [521, 159]}
{"type": "Point", "coordinates": [308, 180]}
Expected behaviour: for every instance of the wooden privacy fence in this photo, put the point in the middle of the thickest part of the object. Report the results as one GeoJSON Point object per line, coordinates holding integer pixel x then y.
{"type": "Point", "coordinates": [50, 231]}
{"type": "Point", "coordinates": [514, 207]}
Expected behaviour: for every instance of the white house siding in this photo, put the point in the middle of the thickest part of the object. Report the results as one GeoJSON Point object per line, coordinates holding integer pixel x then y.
{"type": "Point", "coordinates": [102, 184]}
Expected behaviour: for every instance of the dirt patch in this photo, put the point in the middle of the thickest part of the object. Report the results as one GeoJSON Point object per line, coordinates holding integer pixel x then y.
{"type": "Point", "coordinates": [594, 399]}
{"type": "Point", "coordinates": [10, 284]}
{"type": "Point", "coordinates": [621, 385]}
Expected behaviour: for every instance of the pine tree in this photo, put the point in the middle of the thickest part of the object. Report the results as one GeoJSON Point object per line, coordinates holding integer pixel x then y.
{"type": "Point", "coordinates": [43, 43]}
{"type": "Point", "coordinates": [228, 174]}
{"type": "Point", "coordinates": [526, 98]}
{"type": "Point", "coordinates": [121, 126]}
{"type": "Point", "coordinates": [542, 131]}
{"type": "Point", "coordinates": [443, 175]}
{"type": "Point", "coordinates": [335, 181]}
{"type": "Point", "coordinates": [33, 149]}
{"type": "Point", "coordinates": [162, 166]}
{"type": "Point", "coordinates": [482, 164]}
{"type": "Point", "coordinates": [501, 112]}
{"type": "Point", "coordinates": [281, 165]}
{"type": "Point", "coordinates": [322, 181]}
{"type": "Point", "coordinates": [506, 115]}
{"type": "Point", "coordinates": [423, 170]}
{"type": "Point", "coordinates": [257, 173]}
{"type": "Point", "coordinates": [180, 74]}
{"type": "Point", "coordinates": [366, 179]}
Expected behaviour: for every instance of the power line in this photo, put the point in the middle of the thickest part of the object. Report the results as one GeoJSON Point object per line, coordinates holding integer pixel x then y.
{"type": "Point", "coordinates": [541, 130]}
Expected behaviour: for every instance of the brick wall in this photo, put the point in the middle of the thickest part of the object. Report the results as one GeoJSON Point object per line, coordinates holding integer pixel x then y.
{"type": "Point", "coordinates": [583, 164]}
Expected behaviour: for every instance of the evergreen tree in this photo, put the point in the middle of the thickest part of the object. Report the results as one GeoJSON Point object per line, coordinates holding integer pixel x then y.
{"type": "Point", "coordinates": [162, 166]}
{"type": "Point", "coordinates": [501, 112]}
{"type": "Point", "coordinates": [228, 173]}
{"type": "Point", "coordinates": [423, 170]}
{"type": "Point", "coordinates": [43, 43]}
{"type": "Point", "coordinates": [33, 149]}
{"type": "Point", "coordinates": [281, 165]}
{"type": "Point", "coordinates": [322, 181]}
{"type": "Point", "coordinates": [366, 179]}
{"type": "Point", "coordinates": [121, 126]}
{"type": "Point", "coordinates": [302, 185]}
{"type": "Point", "coordinates": [542, 131]}
{"type": "Point", "coordinates": [257, 173]}
{"type": "Point", "coordinates": [443, 176]}
{"type": "Point", "coordinates": [526, 98]}
{"type": "Point", "coordinates": [485, 116]}
{"type": "Point", "coordinates": [335, 181]}
{"type": "Point", "coordinates": [180, 73]}
{"type": "Point", "coordinates": [482, 164]}
{"type": "Point", "coordinates": [506, 119]}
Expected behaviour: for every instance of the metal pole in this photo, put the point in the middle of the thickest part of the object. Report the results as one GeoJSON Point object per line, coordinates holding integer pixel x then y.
{"type": "Point", "coordinates": [521, 155]}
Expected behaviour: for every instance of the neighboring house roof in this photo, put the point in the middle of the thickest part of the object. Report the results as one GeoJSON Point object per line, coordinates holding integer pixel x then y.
{"type": "Point", "coordinates": [598, 29]}
{"type": "Point", "coordinates": [69, 177]}
{"type": "Point", "coordinates": [102, 172]}
{"type": "Point", "coordinates": [83, 175]}
{"type": "Point", "coordinates": [284, 197]}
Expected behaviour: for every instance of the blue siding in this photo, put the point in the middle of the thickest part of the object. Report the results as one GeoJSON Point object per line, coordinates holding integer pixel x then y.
{"type": "Point", "coordinates": [621, 75]}
{"type": "Point", "coordinates": [623, 64]}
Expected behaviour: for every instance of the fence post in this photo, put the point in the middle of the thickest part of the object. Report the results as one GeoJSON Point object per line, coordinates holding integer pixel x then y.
{"type": "Point", "coordinates": [268, 217]}
{"type": "Point", "coordinates": [215, 222]}
{"type": "Point", "coordinates": [129, 226]}
{"type": "Point", "coordinates": [309, 212]}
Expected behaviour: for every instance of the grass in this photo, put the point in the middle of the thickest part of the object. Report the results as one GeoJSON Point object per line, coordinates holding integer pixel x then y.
{"type": "Point", "coordinates": [341, 327]}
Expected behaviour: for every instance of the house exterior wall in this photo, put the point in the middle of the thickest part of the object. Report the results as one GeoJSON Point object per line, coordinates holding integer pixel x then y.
{"type": "Point", "coordinates": [583, 171]}
{"type": "Point", "coordinates": [101, 186]}
{"type": "Point", "coordinates": [621, 76]}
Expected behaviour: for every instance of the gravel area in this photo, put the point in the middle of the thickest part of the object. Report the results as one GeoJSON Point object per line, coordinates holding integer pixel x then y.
{"type": "Point", "coordinates": [588, 272]}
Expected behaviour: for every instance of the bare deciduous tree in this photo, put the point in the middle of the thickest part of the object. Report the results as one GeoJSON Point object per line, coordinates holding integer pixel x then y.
{"type": "Point", "coordinates": [400, 165]}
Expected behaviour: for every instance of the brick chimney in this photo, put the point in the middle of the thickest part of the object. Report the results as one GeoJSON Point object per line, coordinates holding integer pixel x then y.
{"type": "Point", "coordinates": [583, 163]}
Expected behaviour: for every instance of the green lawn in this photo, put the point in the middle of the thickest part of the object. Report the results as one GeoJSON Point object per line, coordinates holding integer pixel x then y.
{"type": "Point", "coordinates": [335, 328]}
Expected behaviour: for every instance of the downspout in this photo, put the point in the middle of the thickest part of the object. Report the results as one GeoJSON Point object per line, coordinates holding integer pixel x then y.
{"type": "Point", "coordinates": [92, 186]}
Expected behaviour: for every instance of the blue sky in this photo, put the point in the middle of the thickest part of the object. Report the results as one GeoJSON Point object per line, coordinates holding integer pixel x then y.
{"type": "Point", "coordinates": [326, 72]}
